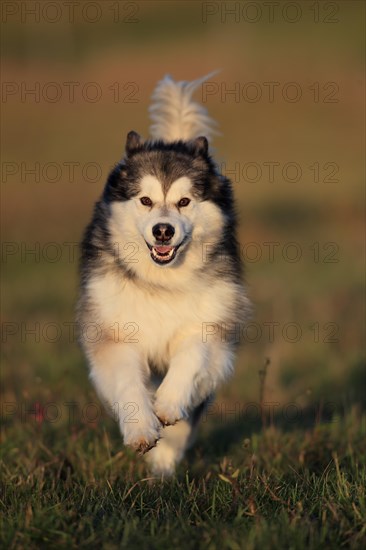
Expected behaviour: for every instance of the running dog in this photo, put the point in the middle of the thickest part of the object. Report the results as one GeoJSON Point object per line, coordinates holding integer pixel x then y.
{"type": "Point", "coordinates": [161, 279]}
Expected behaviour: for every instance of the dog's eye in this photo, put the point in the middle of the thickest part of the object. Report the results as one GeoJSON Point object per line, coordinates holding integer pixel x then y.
{"type": "Point", "coordinates": [184, 202]}
{"type": "Point", "coordinates": [146, 201]}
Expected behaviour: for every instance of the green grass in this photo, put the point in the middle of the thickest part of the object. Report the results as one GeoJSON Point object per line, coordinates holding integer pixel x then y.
{"type": "Point", "coordinates": [78, 487]}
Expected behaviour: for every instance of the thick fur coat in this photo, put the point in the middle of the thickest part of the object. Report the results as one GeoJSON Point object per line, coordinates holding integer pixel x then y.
{"type": "Point", "coordinates": [161, 281]}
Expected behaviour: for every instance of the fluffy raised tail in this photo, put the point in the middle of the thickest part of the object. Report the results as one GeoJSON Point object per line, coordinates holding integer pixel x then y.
{"type": "Point", "coordinates": [174, 113]}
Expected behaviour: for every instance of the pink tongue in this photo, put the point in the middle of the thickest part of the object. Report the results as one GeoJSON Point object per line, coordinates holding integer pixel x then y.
{"type": "Point", "coordinates": [163, 249]}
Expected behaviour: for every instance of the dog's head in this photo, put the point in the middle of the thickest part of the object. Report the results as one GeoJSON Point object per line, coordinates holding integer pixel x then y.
{"type": "Point", "coordinates": [166, 196]}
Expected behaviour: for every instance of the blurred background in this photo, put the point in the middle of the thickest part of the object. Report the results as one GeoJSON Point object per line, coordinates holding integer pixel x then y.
{"type": "Point", "coordinates": [289, 103]}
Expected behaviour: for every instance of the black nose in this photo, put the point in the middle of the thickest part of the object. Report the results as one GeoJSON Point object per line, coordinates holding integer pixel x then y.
{"type": "Point", "coordinates": [163, 231]}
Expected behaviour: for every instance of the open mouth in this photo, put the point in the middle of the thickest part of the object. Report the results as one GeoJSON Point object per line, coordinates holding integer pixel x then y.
{"type": "Point", "coordinates": [163, 254]}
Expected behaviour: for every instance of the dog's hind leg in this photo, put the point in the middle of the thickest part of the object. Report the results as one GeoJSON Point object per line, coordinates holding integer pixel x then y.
{"type": "Point", "coordinates": [170, 449]}
{"type": "Point", "coordinates": [174, 441]}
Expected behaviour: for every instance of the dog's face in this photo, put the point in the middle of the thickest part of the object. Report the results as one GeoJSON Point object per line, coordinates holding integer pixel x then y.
{"type": "Point", "coordinates": [166, 199]}
{"type": "Point", "coordinates": [165, 219]}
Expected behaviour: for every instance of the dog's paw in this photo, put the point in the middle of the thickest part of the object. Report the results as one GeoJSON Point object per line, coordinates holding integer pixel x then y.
{"type": "Point", "coordinates": [166, 421]}
{"type": "Point", "coordinates": [161, 460]}
{"type": "Point", "coordinates": [142, 438]}
{"type": "Point", "coordinates": [168, 413]}
{"type": "Point", "coordinates": [142, 446]}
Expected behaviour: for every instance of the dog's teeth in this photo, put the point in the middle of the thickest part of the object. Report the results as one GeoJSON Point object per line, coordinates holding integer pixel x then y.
{"type": "Point", "coordinates": [166, 255]}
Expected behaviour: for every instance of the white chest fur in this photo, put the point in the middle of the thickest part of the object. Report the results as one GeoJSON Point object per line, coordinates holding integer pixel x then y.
{"type": "Point", "coordinates": [153, 319]}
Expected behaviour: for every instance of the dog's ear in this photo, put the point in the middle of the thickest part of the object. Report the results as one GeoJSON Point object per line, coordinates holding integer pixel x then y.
{"type": "Point", "coordinates": [133, 142]}
{"type": "Point", "coordinates": [200, 146]}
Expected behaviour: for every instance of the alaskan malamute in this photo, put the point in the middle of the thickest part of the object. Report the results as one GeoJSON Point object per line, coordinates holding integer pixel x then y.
{"type": "Point", "coordinates": [161, 292]}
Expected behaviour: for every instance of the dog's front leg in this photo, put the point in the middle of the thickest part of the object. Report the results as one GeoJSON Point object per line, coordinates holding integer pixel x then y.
{"type": "Point", "coordinates": [187, 375]}
{"type": "Point", "coordinates": [117, 372]}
